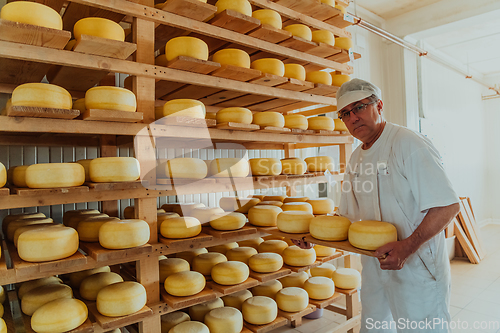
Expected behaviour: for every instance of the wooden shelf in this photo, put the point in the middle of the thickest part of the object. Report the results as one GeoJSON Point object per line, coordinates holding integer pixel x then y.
{"type": "Point", "coordinates": [176, 303]}
{"type": "Point", "coordinates": [100, 254]}
{"type": "Point", "coordinates": [321, 304]}
{"type": "Point", "coordinates": [264, 277]}
{"type": "Point", "coordinates": [278, 322]}
{"type": "Point", "coordinates": [110, 323]}
{"type": "Point", "coordinates": [36, 112]}
{"type": "Point", "coordinates": [226, 290]}
{"type": "Point", "coordinates": [246, 230]}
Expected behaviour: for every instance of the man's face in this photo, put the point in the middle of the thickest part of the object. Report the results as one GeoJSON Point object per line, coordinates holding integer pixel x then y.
{"type": "Point", "coordinates": [366, 122]}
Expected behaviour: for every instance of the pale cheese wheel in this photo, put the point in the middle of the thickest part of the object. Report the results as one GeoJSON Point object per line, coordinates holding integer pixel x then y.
{"type": "Point", "coordinates": [234, 114]}
{"type": "Point", "coordinates": [270, 203]}
{"type": "Point", "coordinates": [268, 289]}
{"type": "Point", "coordinates": [223, 248]}
{"type": "Point", "coordinates": [76, 278]}
{"type": "Point", "coordinates": [300, 30]}
{"type": "Point", "coordinates": [295, 71]}
{"type": "Point", "coordinates": [294, 222]}
{"type": "Point", "coordinates": [70, 213]}
{"type": "Point", "coordinates": [324, 251]}
{"type": "Point", "coordinates": [121, 299]}
{"type": "Point", "coordinates": [20, 230]}
{"type": "Point", "coordinates": [180, 227]}
{"type": "Point", "coordinates": [185, 283]}
{"type": "Point", "coordinates": [16, 224]}
{"type": "Point", "coordinates": [341, 8]}
{"type": "Point", "coordinates": [183, 108]}
{"type": "Point", "coordinates": [322, 206]}
{"type": "Point", "coordinates": [30, 285]}
{"type": "Point", "coordinates": [236, 300]}
{"type": "Point", "coordinates": [32, 13]}
{"type": "Point", "coordinates": [3, 326]}
{"type": "Point", "coordinates": [293, 166]}
{"type": "Point", "coordinates": [79, 104]}
{"type": "Point", "coordinates": [274, 246]}
{"type": "Point", "coordinates": [230, 273]}
{"type": "Point", "coordinates": [265, 166]}
{"type": "Point", "coordinates": [203, 263]}
{"type": "Point", "coordinates": [344, 43]}
{"type": "Point", "coordinates": [186, 167]}
{"type": "Point", "coordinates": [324, 269]}
{"type": "Point", "coordinates": [110, 98]}
{"type": "Point", "coordinates": [347, 278]}
{"type": "Point", "coordinates": [59, 316]}
{"type": "Point", "coordinates": [99, 27]}
{"type": "Point", "coordinates": [88, 229]}
{"type": "Point", "coordinates": [172, 319]}
{"type": "Point", "coordinates": [323, 36]}
{"type": "Point", "coordinates": [296, 199]}
{"type": "Point", "coordinates": [233, 57]}
{"type": "Point", "coordinates": [264, 216]}
{"type": "Point", "coordinates": [297, 206]}
{"type": "Point", "coordinates": [198, 312]}
{"type": "Point", "coordinates": [189, 255]}
{"type": "Point", "coordinates": [91, 285]}
{"type": "Point", "coordinates": [239, 205]}
{"type": "Point", "coordinates": [228, 221]}
{"type": "Point", "coordinates": [241, 253]}
{"type": "Point", "coordinates": [294, 280]}
{"type": "Point", "coordinates": [211, 115]}
{"type": "Point", "coordinates": [269, 118]}
{"type": "Point", "coordinates": [206, 214]}
{"type": "Point", "coordinates": [296, 121]}
{"type": "Point", "coordinates": [17, 176]}
{"type": "Point", "coordinates": [295, 256]}
{"type": "Point", "coordinates": [292, 299]}
{"type": "Point", "coordinates": [124, 234]}
{"type": "Point", "coordinates": [85, 163]}
{"type": "Point", "coordinates": [2, 295]}
{"type": "Point", "coordinates": [268, 16]}
{"type": "Point", "coordinates": [265, 262]}
{"type": "Point", "coordinates": [171, 266]}
{"type": "Point", "coordinates": [46, 244]}
{"type": "Point", "coordinates": [319, 77]}
{"type": "Point", "coordinates": [114, 169]}
{"type": "Point", "coordinates": [321, 123]}
{"type": "Point", "coordinates": [340, 125]}
{"type": "Point", "coordinates": [186, 46]}
{"type": "Point", "coordinates": [320, 163]}
{"type": "Point", "coordinates": [271, 237]}
{"type": "Point", "coordinates": [241, 6]}
{"type": "Point", "coordinates": [51, 175]}
{"type": "Point", "coordinates": [41, 295]}
{"type": "Point", "coordinates": [330, 228]}
{"type": "Point", "coordinates": [370, 235]}
{"type": "Point", "coordinates": [3, 175]}
{"type": "Point", "coordinates": [229, 167]}
{"type": "Point", "coordinates": [9, 218]}
{"type": "Point", "coordinates": [74, 221]}
{"type": "Point", "coordinates": [259, 310]}
{"type": "Point", "coordinates": [319, 287]}
{"type": "Point", "coordinates": [190, 327]}
{"type": "Point", "coordinates": [224, 320]}
{"type": "Point", "coordinates": [329, 2]}
{"type": "Point", "coordinates": [254, 242]}
{"type": "Point", "coordinates": [339, 79]}
{"type": "Point", "coordinates": [269, 66]}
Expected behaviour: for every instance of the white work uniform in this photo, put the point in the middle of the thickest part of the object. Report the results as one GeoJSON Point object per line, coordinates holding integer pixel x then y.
{"type": "Point", "coordinates": [398, 180]}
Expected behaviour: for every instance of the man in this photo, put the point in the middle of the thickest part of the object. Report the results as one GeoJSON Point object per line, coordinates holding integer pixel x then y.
{"type": "Point", "coordinates": [396, 176]}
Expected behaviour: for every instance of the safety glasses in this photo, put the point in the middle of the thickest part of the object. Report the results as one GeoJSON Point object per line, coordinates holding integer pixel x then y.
{"type": "Point", "coordinates": [345, 115]}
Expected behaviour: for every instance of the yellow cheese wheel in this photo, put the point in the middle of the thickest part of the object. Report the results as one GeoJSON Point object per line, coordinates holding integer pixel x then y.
{"type": "Point", "coordinates": [59, 316]}
{"type": "Point", "coordinates": [319, 287]}
{"type": "Point", "coordinates": [198, 312]}
{"type": "Point", "coordinates": [234, 57]}
{"type": "Point", "coordinates": [17, 175]}
{"type": "Point", "coordinates": [300, 30]}
{"type": "Point", "coordinates": [110, 98]}
{"type": "Point", "coordinates": [171, 266]}
{"type": "Point", "coordinates": [160, 60]}
{"type": "Point", "coordinates": [236, 300]}
{"type": "Point", "coordinates": [91, 285]}
{"type": "Point", "coordinates": [203, 263]}
{"type": "Point", "coordinates": [189, 255]}
{"type": "Point", "coordinates": [2, 310]}
{"type": "Point", "coordinates": [268, 16]}
{"type": "Point", "coordinates": [344, 43]}
{"type": "Point", "coordinates": [13, 226]}
{"type": "Point", "coordinates": [293, 166]}
{"type": "Point", "coordinates": [370, 235]}
{"type": "Point", "coordinates": [297, 121]}
{"type": "Point", "coordinates": [30, 285]}
{"type": "Point", "coordinates": [323, 36]}
{"type": "Point", "coordinates": [235, 114]}
{"type": "Point", "coordinates": [296, 199]}
{"type": "Point", "coordinates": [269, 118]}
{"type": "Point", "coordinates": [2, 295]}
{"type": "Point", "coordinates": [172, 319]}
{"type": "Point", "coordinates": [3, 175]}
{"type": "Point", "coordinates": [211, 115]}
{"type": "Point", "coordinates": [241, 253]}
{"type": "Point", "coordinates": [186, 46]}
{"type": "Point", "coordinates": [88, 229]}
{"type": "Point", "coordinates": [322, 206]}
{"type": "Point", "coordinates": [295, 256]}
{"type": "Point", "coordinates": [330, 228]}
{"type": "Point", "coordinates": [229, 167]}
{"type": "Point", "coordinates": [241, 6]}
{"type": "Point", "coordinates": [340, 125]}
{"type": "Point", "coordinates": [223, 248]}
{"type": "Point", "coordinates": [69, 47]}
{"type": "Point", "coordinates": [228, 221]}
{"type": "Point", "coordinates": [268, 289]}
{"type": "Point", "coordinates": [259, 310]}
{"type": "Point", "coordinates": [264, 216]}
{"type": "Point", "coordinates": [294, 222]}
{"type": "Point", "coordinates": [121, 299]}
{"type": "Point", "coordinates": [70, 213]}
{"type": "Point", "coordinates": [186, 167]}
{"type": "Point", "coordinates": [269, 66]}
{"type": "Point", "coordinates": [32, 13]}
{"type": "Point", "coordinates": [292, 299]}
{"type": "Point", "coordinates": [294, 280]}
{"type": "Point", "coordinates": [254, 242]}
{"type": "Point", "coordinates": [320, 163]}
{"type": "Point", "coordinates": [76, 278]}
{"type": "Point", "coordinates": [319, 77]}
{"type": "Point", "coordinates": [295, 71]}
{"type": "Point", "coordinates": [190, 327]}
{"type": "Point", "coordinates": [329, 2]}
{"type": "Point", "coordinates": [186, 283]}
{"type": "Point", "coordinates": [184, 108]}
{"type": "Point", "coordinates": [74, 221]}
{"type": "Point", "coordinates": [180, 227]}
{"type": "Point", "coordinates": [239, 205]}
{"type": "Point", "coordinates": [99, 27]}
{"type": "Point", "coordinates": [265, 262]}
{"type": "Point", "coordinates": [20, 230]}
{"type": "Point", "coordinates": [323, 251]}
{"type": "Point", "coordinates": [346, 278]}
{"type": "Point", "coordinates": [114, 169]}
{"type": "Point", "coordinates": [339, 79]}
{"type": "Point", "coordinates": [50, 175]}
{"type": "Point", "coordinates": [320, 123]}
{"type": "Point", "coordinates": [206, 214]}
{"type": "Point", "coordinates": [79, 104]}
{"type": "Point", "coordinates": [47, 244]}
{"type": "Point", "coordinates": [341, 8]}
{"type": "Point", "coordinates": [224, 320]}
{"type": "Point", "coordinates": [325, 270]}
{"type": "Point", "coordinates": [265, 166]}
{"type": "Point", "coordinates": [270, 203]}
{"type": "Point", "coordinates": [230, 273]}
{"type": "Point", "coordinates": [9, 218]}
{"type": "Point", "coordinates": [297, 206]}
{"type": "Point", "coordinates": [124, 234]}
{"type": "Point", "coordinates": [274, 246]}
{"type": "Point", "coordinates": [39, 296]}
{"type": "Point", "coordinates": [85, 164]}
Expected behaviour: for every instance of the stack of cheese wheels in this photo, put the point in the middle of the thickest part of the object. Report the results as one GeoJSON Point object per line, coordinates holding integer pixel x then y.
{"type": "Point", "coordinates": [205, 214]}
{"type": "Point", "coordinates": [268, 16]}
{"type": "Point", "coordinates": [323, 251]}
{"type": "Point", "coordinates": [91, 285]}
{"type": "Point", "coordinates": [269, 66]}
{"type": "Point", "coordinates": [162, 217]}
{"type": "Point", "coordinates": [110, 98]}
{"type": "Point", "coordinates": [319, 77]}
{"type": "Point", "coordinates": [88, 229]}
{"type": "Point", "coordinates": [41, 95]}
{"type": "Point", "coordinates": [273, 245]}
{"type": "Point", "coordinates": [340, 125]}
{"type": "Point", "coordinates": [344, 43]}
{"type": "Point", "coordinates": [338, 79]}
{"type": "Point", "coordinates": [39, 296]}
{"type": "Point", "coordinates": [121, 299]}
{"type": "Point", "coordinates": [330, 228]}
{"type": "Point", "coordinates": [190, 326]}
{"type": "Point", "coordinates": [186, 46]}
{"type": "Point", "coordinates": [185, 283]}
{"type": "Point", "coordinates": [259, 310]}
{"type": "Point", "coordinates": [114, 169]}
{"type": "Point", "coordinates": [293, 166]}
{"type": "Point", "coordinates": [265, 166]}
{"type": "Point", "coordinates": [346, 278]}
{"type": "Point", "coordinates": [275, 198]}
{"type": "Point", "coordinates": [269, 118]}
{"type": "Point", "coordinates": [225, 319]}
{"type": "Point", "coordinates": [17, 175]}
{"type": "Point", "coordinates": [234, 115]}
{"type": "Point", "coordinates": [294, 222]}
{"type": "Point", "coordinates": [300, 30]}
{"type": "Point", "coordinates": [223, 248]}
{"type": "Point", "coordinates": [295, 71]}
{"type": "Point", "coordinates": [124, 234]}
{"type": "Point", "coordinates": [189, 255]}
{"type": "Point", "coordinates": [270, 203]}
{"type": "Point", "coordinates": [295, 256]}
{"type": "Point", "coordinates": [239, 205]}
{"type": "Point", "coordinates": [228, 221]}
{"type": "Point", "coordinates": [321, 123]}
{"type": "Point", "coordinates": [292, 299]}
{"type": "Point", "coordinates": [241, 6]}
{"type": "Point", "coordinates": [319, 287]}
{"type": "Point", "coordinates": [32, 13]}
{"type": "Point", "coordinates": [186, 168]}
{"type": "Point", "coordinates": [20, 230]}
{"type": "Point", "coordinates": [297, 206]}
{"type": "Point", "coordinates": [183, 108]}
{"type": "Point", "coordinates": [172, 319]}
{"type": "Point", "coordinates": [203, 263]}
{"type": "Point", "coordinates": [98, 27]}
{"type": "Point", "coordinates": [230, 273]}
{"type": "Point", "coordinates": [76, 278]}
{"type": "Point", "coordinates": [296, 121]}
{"type": "Point", "coordinates": [13, 217]}
{"type": "Point", "coordinates": [265, 262]}
{"type": "Point", "coordinates": [268, 289]}
{"type": "Point", "coordinates": [46, 244]}
{"type": "Point", "coordinates": [51, 175]}
{"type": "Point", "coordinates": [241, 253]}
{"type": "Point", "coordinates": [229, 167]}
{"type": "Point", "coordinates": [370, 235]}
{"type": "Point", "coordinates": [171, 266]}
{"type": "Point", "coordinates": [180, 227]}
{"type": "Point", "coordinates": [323, 36]}
{"type": "Point", "coordinates": [236, 300]}
{"type": "Point", "coordinates": [325, 270]}
{"type": "Point", "coordinates": [30, 285]}
{"type": "Point", "coordinates": [232, 57]}
{"type": "Point", "coordinates": [294, 280]}
{"type": "Point", "coordinates": [13, 226]}
{"type": "Point", "coordinates": [75, 220]}
{"type": "Point", "coordinates": [254, 242]}
{"type": "Point", "coordinates": [60, 315]}
{"type": "Point", "coordinates": [322, 206]}
{"type": "Point", "coordinates": [70, 213]}
{"type": "Point", "coordinates": [199, 311]}
{"type": "Point", "coordinates": [319, 163]}
{"type": "Point", "coordinates": [296, 199]}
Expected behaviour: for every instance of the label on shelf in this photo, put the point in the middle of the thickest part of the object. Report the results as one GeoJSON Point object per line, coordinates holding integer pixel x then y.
{"type": "Point", "coordinates": [351, 55]}
{"type": "Point", "coordinates": [349, 18]}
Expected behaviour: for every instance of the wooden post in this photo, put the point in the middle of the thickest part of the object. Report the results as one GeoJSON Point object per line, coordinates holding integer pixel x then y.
{"type": "Point", "coordinates": [108, 149]}
{"type": "Point", "coordinates": [353, 308]}
{"type": "Point", "coordinates": [345, 151]}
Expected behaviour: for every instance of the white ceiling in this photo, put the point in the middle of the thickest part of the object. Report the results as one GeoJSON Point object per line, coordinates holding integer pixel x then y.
{"type": "Point", "coordinates": [388, 9]}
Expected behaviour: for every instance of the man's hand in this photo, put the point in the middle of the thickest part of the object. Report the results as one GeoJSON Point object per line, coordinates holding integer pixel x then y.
{"type": "Point", "coordinates": [303, 244]}
{"type": "Point", "coordinates": [392, 256]}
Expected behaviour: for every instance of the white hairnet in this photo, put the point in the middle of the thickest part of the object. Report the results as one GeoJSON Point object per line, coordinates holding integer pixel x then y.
{"type": "Point", "coordinates": [356, 90]}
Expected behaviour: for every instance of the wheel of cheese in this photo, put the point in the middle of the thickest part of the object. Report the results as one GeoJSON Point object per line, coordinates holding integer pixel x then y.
{"type": "Point", "coordinates": [292, 299]}
{"type": "Point", "coordinates": [85, 163]}
{"type": "Point", "coordinates": [339, 125]}
{"type": "Point", "coordinates": [268, 16]}
{"type": "Point", "coordinates": [228, 221]}
{"type": "Point", "coordinates": [198, 312]}
{"type": "Point", "coordinates": [9, 218]}
{"type": "Point", "coordinates": [259, 310]}
{"type": "Point", "coordinates": [294, 280]}
{"type": "Point", "coordinates": [190, 327]}
{"type": "Point", "coordinates": [88, 229]}
{"type": "Point", "coordinates": [224, 320]}
{"type": "Point", "coordinates": [330, 228]}
{"type": "Point", "coordinates": [32, 13]}
{"type": "Point", "coordinates": [74, 221]}
{"type": "Point", "coordinates": [241, 6]}
{"type": "Point", "coordinates": [344, 43]}
{"type": "Point", "coordinates": [70, 213]}
{"type": "Point", "coordinates": [234, 57]}
{"type": "Point", "coordinates": [206, 214]}
{"type": "Point", "coordinates": [20, 230]}
{"type": "Point", "coordinates": [234, 114]}
{"type": "Point", "coordinates": [323, 36]}
{"type": "Point", "coordinates": [110, 98]}
{"type": "Point", "coordinates": [30, 285]}
{"type": "Point", "coordinates": [270, 203]}
{"type": "Point", "coordinates": [41, 295]}
{"type": "Point", "coordinates": [269, 118]}
{"type": "Point", "coordinates": [297, 206]}
{"type": "Point", "coordinates": [51, 175]}
{"type": "Point", "coordinates": [297, 121]}
{"type": "Point", "coordinates": [3, 175]}
{"type": "Point", "coordinates": [236, 300]}
{"type": "Point", "coordinates": [2, 310]}
{"type": "Point", "coordinates": [300, 30]}
{"type": "Point", "coordinates": [76, 278]}
{"type": "Point", "coordinates": [203, 263]}
{"type": "Point", "coordinates": [186, 209]}
{"type": "Point", "coordinates": [241, 253]}
{"type": "Point", "coordinates": [99, 27]}
{"type": "Point", "coordinates": [230, 273]}
{"type": "Point", "coordinates": [321, 123]}
{"type": "Point", "coordinates": [274, 246]}
{"type": "Point", "coordinates": [223, 248]}
{"type": "Point", "coordinates": [269, 65]}
{"type": "Point", "coordinates": [346, 278]}
{"type": "Point", "coordinates": [295, 71]}
{"type": "Point", "coordinates": [229, 167]}
{"type": "Point", "coordinates": [59, 315]}
{"type": "Point", "coordinates": [320, 163]}
{"type": "Point", "coordinates": [264, 216]}
{"type": "Point", "coordinates": [180, 227]}
{"type": "Point", "coordinates": [79, 104]}
{"type": "Point", "coordinates": [339, 79]}
{"type": "Point", "coordinates": [184, 108]}
{"type": "Point", "coordinates": [296, 199]}
{"type": "Point", "coordinates": [319, 77]}
{"type": "Point", "coordinates": [265, 262]}
{"type": "Point", "coordinates": [319, 287]}
{"type": "Point", "coordinates": [13, 226]}
{"type": "Point", "coordinates": [3, 326]}
{"type": "Point", "coordinates": [294, 222]}
{"type": "Point", "coordinates": [370, 235]}
{"type": "Point", "coordinates": [189, 255]}
{"type": "Point", "coordinates": [239, 205]}
{"type": "Point", "coordinates": [341, 8]}
{"type": "Point", "coordinates": [114, 169]}
{"type": "Point", "coordinates": [254, 242]}
{"type": "Point", "coordinates": [46, 244]}
{"type": "Point", "coordinates": [265, 166]}
{"type": "Point", "coordinates": [171, 266]}
{"type": "Point", "coordinates": [2, 295]}
{"type": "Point", "coordinates": [329, 2]}
{"type": "Point", "coordinates": [186, 167]}
{"type": "Point", "coordinates": [295, 256]}
{"type": "Point", "coordinates": [186, 46]}
{"type": "Point", "coordinates": [91, 285]}
{"type": "Point", "coordinates": [124, 234]}
{"type": "Point", "coordinates": [268, 289]}
{"type": "Point", "coordinates": [322, 206]}
{"type": "Point", "coordinates": [293, 166]}
{"type": "Point", "coordinates": [324, 251]}
{"type": "Point", "coordinates": [325, 270]}
{"type": "Point", "coordinates": [186, 283]}
{"type": "Point", "coordinates": [121, 299]}
{"type": "Point", "coordinates": [17, 175]}
{"type": "Point", "coordinates": [271, 237]}
{"type": "Point", "coordinates": [173, 319]}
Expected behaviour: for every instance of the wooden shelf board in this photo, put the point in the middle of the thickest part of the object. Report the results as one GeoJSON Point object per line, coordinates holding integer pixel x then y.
{"type": "Point", "coordinates": [272, 129]}
{"type": "Point", "coordinates": [109, 323]}
{"type": "Point", "coordinates": [337, 254]}
{"type": "Point", "coordinates": [117, 186]}
{"type": "Point", "coordinates": [322, 89]}
{"type": "Point", "coordinates": [238, 127]}
{"type": "Point", "coordinates": [100, 254]}
{"type": "Point", "coordinates": [176, 303]}
{"type": "Point", "coordinates": [193, 9]}
{"type": "Point", "coordinates": [186, 121]}
{"type": "Point", "coordinates": [48, 191]}
{"type": "Point", "coordinates": [112, 115]}
{"type": "Point", "coordinates": [39, 112]}
{"type": "Point", "coordinates": [181, 182]}
{"type": "Point", "coordinates": [185, 243]}
{"type": "Point", "coordinates": [264, 277]}
{"type": "Point", "coordinates": [104, 47]}
{"type": "Point", "coordinates": [246, 230]}
{"type": "Point", "coordinates": [302, 132]}
{"type": "Point", "coordinates": [298, 44]}
{"type": "Point", "coordinates": [321, 304]}
{"type": "Point", "coordinates": [298, 269]}
{"type": "Point", "coordinates": [293, 316]}
{"type": "Point", "coordinates": [346, 291]}
{"type": "Point", "coordinates": [226, 290]}
{"type": "Point", "coordinates": [278, 322]}
{"type": "Point", "coordinates": [342, 245]}
{"type": "Point", "coordinates": [33, 35]}
{"type": "Point", "coordinates": [235, 21]}
{"type": "Point", "coordinates": [326, 133]}
{"type": "Point", "coordinates": [270, 34]}
{"type": "Point", "coordinates": [296, 85]}
{"type": "Point", "coordinates": [221, 96]}
{"type": "Point", "coordinates": [270, 105]}
{"type": "Point", "coordinates": [269, 80]}
{"type": "Point", "coordinates": [4, 191]}
{"type": "Point", "coordinates": [324, 50]}
{"type": "Point", "coordinates": [338, 21]}
{"type": "Point", "coordinates": [193, 65]}
{"type": "Point", "coordinates": [236, 73]}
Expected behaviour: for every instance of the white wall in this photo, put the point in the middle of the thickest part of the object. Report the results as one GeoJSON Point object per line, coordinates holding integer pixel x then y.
{"type": "Point", "coordinates": [492, 165]}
